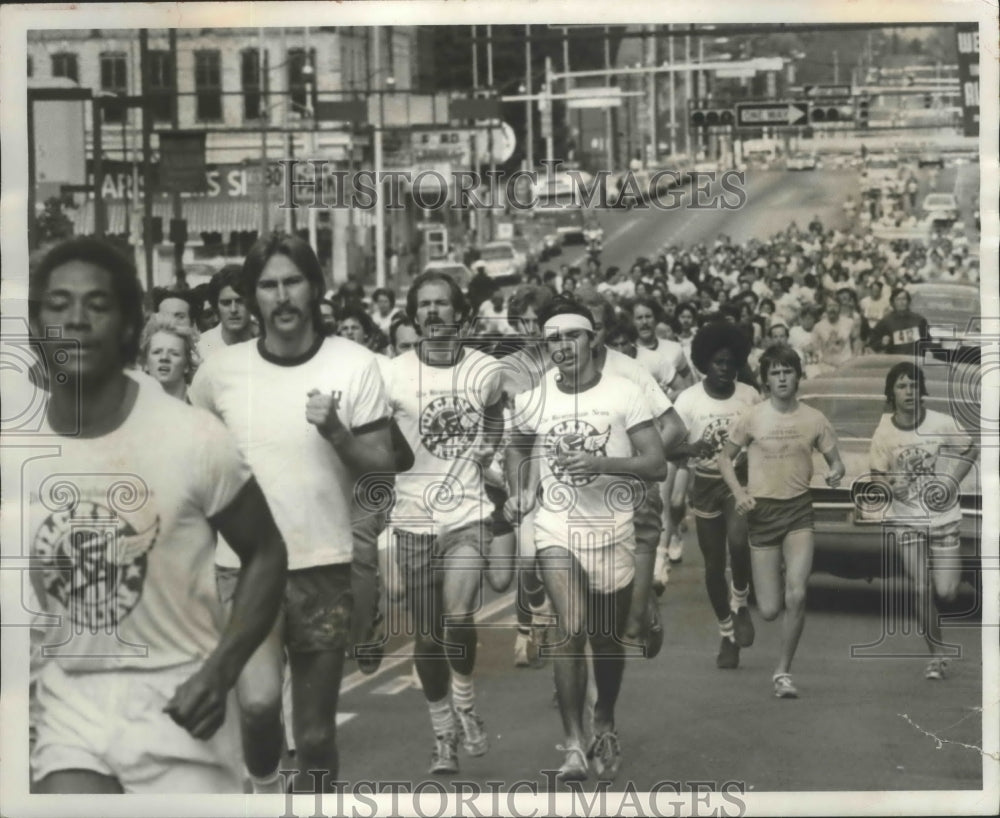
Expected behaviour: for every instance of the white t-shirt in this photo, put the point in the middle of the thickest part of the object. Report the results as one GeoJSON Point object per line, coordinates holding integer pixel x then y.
{"type": "Point", "coordinates": [708, 419]}
{"type": "Point", "coordinates": [383, 323]}
{"type": "Point", "coordinates": [911, 457]}
{"type": "Point", "coordinates": [685, 289]}
{"type": "Point", "coordinates": [210, 342]}
{"type": "Point", "coordinates": [658, 364]}
{"type": "Point", "coordinates": [617, 363]}
{"type": "Point", "coordinates": [597, 421]}
{"type": "Point", "coordinates": [263, 402]}
{"type": "Point", "coordinates": [780, 447]}
{"type": "Point", "coordinates": [440, 412]}
{"type": "Point", "coordinates": [129, 512]}
{"type": "Point", "coordinates": [833, 341]}
{"type": "Point", "coordinates": [492, 320]}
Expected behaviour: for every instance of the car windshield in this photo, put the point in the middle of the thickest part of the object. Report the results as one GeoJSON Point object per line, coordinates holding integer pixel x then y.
{"type": "Point", "coordinates": [497, 252]}
{"type": "Point", "coordinates": [857, 416]}
{"type": "Point", "coordinates": [933, 301]}
{"type": "Point", "coordinates": [939, 200]}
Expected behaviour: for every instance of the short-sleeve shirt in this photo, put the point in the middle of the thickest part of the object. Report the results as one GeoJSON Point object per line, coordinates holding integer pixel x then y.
{"type": "Point", "coordinates": [120, 525]}
{"type": "Point", "coordinates": [440, 410]}
{"type": "Point", "coordinates": [658, 365]}
{"type": "Point", "coordinates": [708, 419]}
{"type": "Point", "coordinates": [833, 341]}
{"type": "Point", "coordinates": [780, 446]}
{"type": "Point", "coordinates": [262, 399]}
{"type": "Point", "coordinates": [596, 421]}
{"type": "Point", "coordinates": [615, 363]}
{"type": "Point", "coordinates": [911, 456]}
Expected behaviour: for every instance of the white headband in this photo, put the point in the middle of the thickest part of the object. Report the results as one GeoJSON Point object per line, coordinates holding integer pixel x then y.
{"type": "Point", "coordinates": [558, 324]}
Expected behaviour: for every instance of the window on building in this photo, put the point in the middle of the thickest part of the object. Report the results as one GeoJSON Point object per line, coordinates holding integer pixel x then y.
{"type": "Point", "coordinates": [300, 80]}
{"type": "Point", "coordinates": [160, 80]}
{"type": "Point", "coordinates": [65, 65]}
{"type": "Point", "coordinates": [208, 85]}
{"type": "Point", "coordinates": [114, 80]}
{"type": "Point", "coordinates": [254, 83]}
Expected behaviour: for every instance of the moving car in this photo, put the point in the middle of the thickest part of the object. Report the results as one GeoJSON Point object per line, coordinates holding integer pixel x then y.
{"type": "Point", "coordinates": [953, 316]}
{"type": "Point", "coordinates": [501, 261]}
{"type": "Point", "coordinates": [851, 540]}
{"type": "Point", "coordinates": [801, 161]}
{"type": "Point", "coordinates": [880, 173]}
{"type": "Point", "coordinates": [940, 207]}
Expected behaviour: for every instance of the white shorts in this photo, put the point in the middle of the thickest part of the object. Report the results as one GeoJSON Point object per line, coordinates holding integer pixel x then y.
{"type": "Point", "coordinates": [113, 723]}
{"type": "Point", "coordinates": [609, 567]}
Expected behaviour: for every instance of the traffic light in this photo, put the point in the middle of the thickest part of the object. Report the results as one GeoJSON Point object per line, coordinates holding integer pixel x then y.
{"type": "Point", "coordinates": [825, 113]}
{"type": "Point", "coordinates": [707, 117]}
{"type": "Point", "coordinates": [861, 114]}
{"type": "Point", "coordinates": [157, 229]}
{"type": "Point", "coordinates": [928, 100]}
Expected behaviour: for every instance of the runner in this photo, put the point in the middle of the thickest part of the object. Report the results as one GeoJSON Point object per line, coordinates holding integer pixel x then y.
{"type": "Point", "coordinates": [780, 435]}
{"type": "Point", "coordinates": [914, 448]}
{"type": "Point", "coordinates": [589, 424]}
{"type": "Point", "coordinates": [446, 398]}
{"type": "Point", "coordinates": [297, 397]}
{"type": "Point", "coordinates": [132, 696]}
{"type": "Point", "coordinates": [227, 294]}
{"type": "Point", "coordinates": [707, 409]}
{"type": "Point", "coordinates": [167, 353]}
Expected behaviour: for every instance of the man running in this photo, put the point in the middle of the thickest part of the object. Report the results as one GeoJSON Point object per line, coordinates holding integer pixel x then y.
{"type": "Point", "coordinates": [227, 294]}
{"type": "Point", "coordinates": [707, 409]}
{"type": "Point", "coordinates": [780, 436]}
{"type": "Point", "coordinates": [310, 414]}
{"type": "Point", "coordinates": [446, 398]}
{"type": "Point", "coordinates": [122, 521]}
{"type": "Point", "coordinates": [597, 435]}
{"type": "Point", "coordinates": [912, 447]}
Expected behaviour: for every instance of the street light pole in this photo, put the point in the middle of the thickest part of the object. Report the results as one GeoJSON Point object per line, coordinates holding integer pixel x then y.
{"type": "Point", "coordinates": [530, 147]}
{"type": "Point", "coordinates": [308, 71]}
{"type": "Point", "coordinates": [673, 95]}
{"type": "Point", "coordinates": [265, 215]}
{"type": "Point", "coordinates": [379, 203]}
{"type": "Point", "coordinates": [549, 142]}
{"type": "Point", "coordinates": [608, 135]}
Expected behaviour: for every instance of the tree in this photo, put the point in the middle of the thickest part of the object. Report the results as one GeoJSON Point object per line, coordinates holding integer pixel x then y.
{"type": "Point", "coordinates": [53, 224]}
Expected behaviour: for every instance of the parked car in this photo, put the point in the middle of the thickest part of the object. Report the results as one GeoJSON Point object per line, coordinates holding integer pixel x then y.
{"type": "Point", "coordinates": [801, 161]}
{"type": "Point", "coordinates": [850, 535]}
{"type": "Point", "coordinates": [930, 159]}
{"type": "Point", "coordinates": [953, 316]}
{"type": "Point", "coordinates": [940, 207]}
{"type": "Point", "coordinates": [456, 269]}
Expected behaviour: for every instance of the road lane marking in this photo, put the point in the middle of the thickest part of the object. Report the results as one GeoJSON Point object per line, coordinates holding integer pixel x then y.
{"type": "Point", "coordinates": [405, 653]}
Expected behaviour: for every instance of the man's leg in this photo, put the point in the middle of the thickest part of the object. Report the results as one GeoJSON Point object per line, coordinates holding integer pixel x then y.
{"type": "Point", "coordinates": [711, 533]}
{"type": "Point", "coordinates": [606, 614]}
{"type": "Point", "coordinates": [258, 693]}
{"type": "Point", "coordinates": [647, 521]}
{"type": "Point", "coordinates": [797, 549]}
{"type": "Point", "coordinates": [739, 563]}
{"type": "Point", "coordinates": [565, 584]}
{"type": "Point", "coordinates": [318, 609]}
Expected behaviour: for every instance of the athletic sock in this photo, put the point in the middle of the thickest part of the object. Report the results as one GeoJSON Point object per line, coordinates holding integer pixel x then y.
{"type": "Point", "coordinates": [523, 630]}
{"type": "Point", "coordinates": [267, 784]}
{"type": "Point", "coordinates": [738, 599]}
{"type": "Point", "coordinates": [726, 628]}
{"type": "Point", "coordinates": [442, 718]}
{"type": "Point", "coordinates": [462, 694]}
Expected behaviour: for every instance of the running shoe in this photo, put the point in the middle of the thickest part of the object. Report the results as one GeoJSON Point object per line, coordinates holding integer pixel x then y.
{"type": "Point", "coordinates": [937, 669]}
{"type": "Point", "coordinates": [606, 753]}
{"type": "Point", "coordinates": [474, 738]}
{"type": "Point", "coordinates": [784, 688]}
{"type": "Point", "coordinates": [675, 551]}
{"type": "Point", "coordinates": [729, 655]}
{"type": "Point", "coordinates": [575, 767]}
{"type": "Point", "coordinates": [369, 654]}
{"type": "Point", "coordinates": [743, 627]}
{"type": "Point", "coordinates": [445, 756]}
{"type": "Point", "coordinates": [521, 644]}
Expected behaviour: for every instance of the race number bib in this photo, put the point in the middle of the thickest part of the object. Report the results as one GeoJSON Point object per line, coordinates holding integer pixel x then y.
{"type": "Point", "coordinates": [905, 336]}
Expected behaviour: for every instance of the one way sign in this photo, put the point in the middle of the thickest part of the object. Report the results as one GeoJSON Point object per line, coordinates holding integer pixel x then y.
{"type": "Point", "coordinates": [756, 114]}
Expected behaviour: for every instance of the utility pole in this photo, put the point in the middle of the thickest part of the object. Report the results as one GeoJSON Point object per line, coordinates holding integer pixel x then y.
{"type": "Point", "coordinates": [289, 139]}
{"type": "Point", "coordinates": [265, 214]}
{"type": "Point", "coordinates": [687, 95]}
{"type": "Point", "coordinates": [379, 202]}
{"type": "Point", "coordinates": [475, 60]}
{"type": "Point", "coordinates": [147, 165]}
{"type": "Point", "coordinates": [651, 91]}
{"type": "Point", "coordinates": [530, 147]}
{"type": "Point", "coordinates": [673, 94]}
{"type": "Point", "coordinates": [489, 136]}
{"type": "Point", "coordinates": [176, 207]}
{"type": "Point", "coordinates": [309, 74]}
{"type": "Point", "coordinates": [549, 142]}
{"type": "Point", "coordinates": [608, 126]}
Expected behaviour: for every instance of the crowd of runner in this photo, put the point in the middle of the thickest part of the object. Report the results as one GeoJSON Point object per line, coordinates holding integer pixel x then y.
{"type": "Point", "coordinates": [551, 435]}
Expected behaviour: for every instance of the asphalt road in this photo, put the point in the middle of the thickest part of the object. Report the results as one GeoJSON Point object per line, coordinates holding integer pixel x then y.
{"type": "Point", "coordinates": [864, 721]}
{"type": "Point", "coordinates": [860, 723]}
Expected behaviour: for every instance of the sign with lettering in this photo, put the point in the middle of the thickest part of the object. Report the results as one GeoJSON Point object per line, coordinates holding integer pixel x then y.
{"type": "Point", "coordinates": [968, 75]}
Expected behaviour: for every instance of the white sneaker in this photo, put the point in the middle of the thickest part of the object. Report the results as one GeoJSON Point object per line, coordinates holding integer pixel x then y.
{"type": "Point", "coordinates": [661, 572]}
{"type": "Point", "coordinates": [675, 551]}
{"type": "Point", "coordinates": [521, 644]}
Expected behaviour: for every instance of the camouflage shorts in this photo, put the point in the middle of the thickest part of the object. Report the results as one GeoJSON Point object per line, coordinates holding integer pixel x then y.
{"type": "Point", "coordinates": [318, 605]}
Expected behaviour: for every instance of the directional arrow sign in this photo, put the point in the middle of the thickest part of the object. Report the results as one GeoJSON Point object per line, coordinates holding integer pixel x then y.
{"type": "Point", "coordinates": [755, 114]}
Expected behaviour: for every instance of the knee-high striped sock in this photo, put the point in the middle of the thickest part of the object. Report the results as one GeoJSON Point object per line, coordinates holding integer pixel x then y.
{"type": "Point", "coordinates": [726, 628]}
{"type": "Point", "coordinates": [738, 599]}
{"type": "Point", "coordinates": [462, 694]}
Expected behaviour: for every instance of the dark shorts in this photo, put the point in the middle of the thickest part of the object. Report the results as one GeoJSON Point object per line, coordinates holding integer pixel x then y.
{"type": "Point", "coordinates": [771, 520]}
{"type": "Point", "coordinates": [647, 518]}
{"type": "Point", "coordinates": [497, 496]}
{"type": "Point", "coordinates": [317, 606]}
{"type": "Point", "coordinates": [607, 614]}
{"type": "Point", "coordinates": [709, 495]}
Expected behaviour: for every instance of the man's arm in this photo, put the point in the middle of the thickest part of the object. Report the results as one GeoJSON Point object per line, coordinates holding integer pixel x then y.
{"type": "Point", "coordinates": [521, 468]}
{"type": "Point", "coordinates": [370, 448]}
{"type": "Point", "coordinates": [199, 704]}
{"type": "Point", "coordinates": [672, 433]}
{"type": "Point", "coordinates": [744, 501]}
{"type": "Point", "coordinates": [649, 462]}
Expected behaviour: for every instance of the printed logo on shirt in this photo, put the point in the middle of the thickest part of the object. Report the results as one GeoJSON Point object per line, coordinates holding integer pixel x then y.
{"type": "Point", "coordinates": [917, 466]}
{"type": "Point", "coordinates": [448, 426]}
{"type": "Point", "coordinates": [94, 546]}
{"type": "Point", "coordinates": [574, 436]}
{"type": "Point", "coordinates": [909, 335]}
